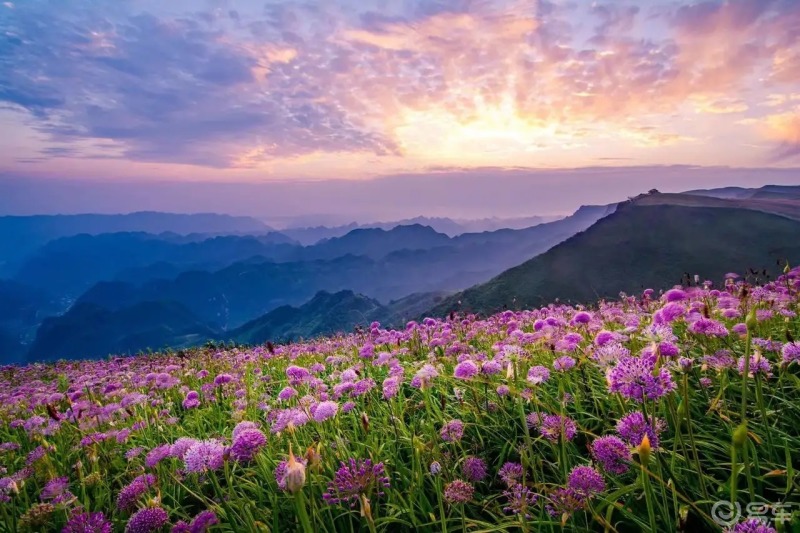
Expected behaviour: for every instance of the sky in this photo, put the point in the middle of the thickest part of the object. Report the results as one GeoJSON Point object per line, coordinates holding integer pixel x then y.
{"type": "Point", "coordinates": [293, 107]}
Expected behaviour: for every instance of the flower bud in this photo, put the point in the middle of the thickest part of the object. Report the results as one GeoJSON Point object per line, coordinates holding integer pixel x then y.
{"type": "Point", "coordinates": [740, 436]}
{"type": "Point", "coordinates": [751, 321]}
{"type": "Point", "coordinates": [644, 450]}
{"type": "Point", "coordinates": [295, 474]}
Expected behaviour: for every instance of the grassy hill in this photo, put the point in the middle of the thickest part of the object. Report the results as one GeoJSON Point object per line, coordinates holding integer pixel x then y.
{"type": "Point", "coordinates": [637, 247]}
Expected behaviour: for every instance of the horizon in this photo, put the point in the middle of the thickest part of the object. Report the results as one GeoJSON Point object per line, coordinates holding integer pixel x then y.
{"type": "Point", "coordinates": [134, 105]}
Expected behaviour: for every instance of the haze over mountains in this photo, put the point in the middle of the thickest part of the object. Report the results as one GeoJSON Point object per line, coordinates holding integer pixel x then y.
{"type": "Point", "coordinates": [182, 280]}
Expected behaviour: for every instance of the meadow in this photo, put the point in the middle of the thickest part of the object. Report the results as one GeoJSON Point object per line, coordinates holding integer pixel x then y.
{"type": "Point", "coordinates": [671, 410]}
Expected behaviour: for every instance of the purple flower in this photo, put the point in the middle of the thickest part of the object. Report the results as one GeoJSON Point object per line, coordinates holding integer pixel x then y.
{"type": "Point", "coordinates": [458, 491]}
{"type": "Point", "coordinates": [538, 375]}
{"type": "Point", "coordinates": [203, 521]}
{"type": "Point", "coordinates": [586, 481]}
{"type": "Point", "coordinates": [147, 520]}
{"type": "Point", "coordinates": [520, 499]}
{"type": "Point", "coordinates": [581, 317]}
{"type": "Point", "coordinates": [637, 378]}
{"type": "Point", "coordinates": [87, 523]}
{"type": "Point", "coordinates": [562, 364]}
{"type": "Point", "coordinates": [181, 446]}
{"type": "Point", "coordinates": [191, 400]}
{"type": "Point", "coordinates": [511, 473]}
{"type": "Point", "coordinates": [757, 365]}
{"type": "Point", "coordinates": [362, 387]}
{"type": "Point", "coordinates": [553, 427]}
{"type": "Point", "coordinates": [354, 479]}
{"type": "Point", "coordinates": [435, 468]}
{"type": "Point", "coordinates": [490, 368]}
{"type": "Point", "coordinates": [503, 390]}
{"type": "Point", "coordinates": [156, 455]}
{"type": "Point", "coordinates": [790, 352]}
{"type": "Point", "coordinates": [246, 444]}
{"type": "Point", "coordinates": [633, 427]}
{"type": "Point", "coordinates": [130, 493]}
{"type": "Point", "coordinates": [287, 393]}
{"type": "Point", "coordinates": [752, 525]}
{"type": "Point", "coordinates": [565, 501]}
{"type": "Point", "coordinates": [675, 295]}
{"type": "Point", "coordinates": [452, 431]}
{"type": "Point", "coordinates": [54, 488]}
{"type": "Point", "coordinates": [282, 469]}
{"type": "Point", "coordinates": [708, 327]}
{"type": "Point", "coordinates": [613, 454]}
{"type": "Point", "coordinates": [391, 386]}
{"type": "Point", "coordinates": [243, 426]}
{"type": "Point", "coordinates": [424, 376]}
{"type": "Point", "coordinates": [325, 410]}
{"type": "Point", "coordinates": [222, 379]}
{"type": "Point", "coordinates": [474, 469]}
{"type": "Point", "coordinates": [465, 370]}
{"type": "Point", "coordinates": [204, 456]}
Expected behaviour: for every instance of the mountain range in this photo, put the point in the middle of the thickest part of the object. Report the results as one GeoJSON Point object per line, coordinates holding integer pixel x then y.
{"type": "Point", "coordinates": [122, 292]}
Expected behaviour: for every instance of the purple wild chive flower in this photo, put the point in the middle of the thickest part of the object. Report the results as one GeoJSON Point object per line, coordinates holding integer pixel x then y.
{"type": "Point", "coordinates": [391, 386]}
{"type": "Point", "coordinates": [191, 400]}
{"type": "Point", "coordinates": [675, 295]}
{"type": "Point", "coordinates": [553, 427]}
{"type": "Point", "coordinates": [181, 446]}
{"type": "Point", "coordinates": [564, 502]}
{"type": "Point", "coordinates": [633, 427]}
{"type": "Point", "coordinates": [790, 353]}
{"type": "Point", "coordinates": [538, 375]}
{"type": "Point", "coordinates": [435, 468]}
{"type": "Point", "coordinates": [511, 473]}
{"type": "Point", "coordinates": [562, 364]}
{"type": "Point", "coordinates": [452, 431]}
{"type": "Point", "coordinates": [503, 390]}
{"type": "Point", "coordinates": [354, 479]}
{"type": "Point", "coordinates": [129, 496]}
{"type": "Point", "coordinates": [474, 469]}
{"type": "Point", "coordinates": [54, 488]}
{"type": "Point", "coordinates": [465, 370]}
{"type": "Point", "coordinates": [156, 455]}
{"type": "Point", "coordinates": [147, 520]}
{"type": "Point", "coordinates": [204, 456]}
{"type": "Point", "coordinates": [424, 376]}
{"type": "Point", "coordinates": [87, 523]}
{"type": "Point", "coordinates": [243, 426]}
{"type": "Point", "coordinates": [581, 317]}
{"type": "Point", "coordinates": [758, 365]}
{"type": "Point", "coordinates": [203, 521]}
{"type": "Point", "coordinates": [612, 454]}
{"type": "Point", "coordinates": [636, 378]}
{"type": "Point", "coordinates": [520, 500]}
{"type": "Point", "coordinates": [752, 525]}
{"type": "Point", "coordinates": [586, 481]}
{"type": "Point", "coordinates": [247, 444]}
{"type": "Point", "coordinates": [287, 393]}
{"type": "Point", "coordinates": [491, 368]}
{"type": "Point", "coordinates": [325, 410]}
{"type": "Point", "coordinates": [458, 491]}
{"type": "Point", "coordinates": [708, 327]}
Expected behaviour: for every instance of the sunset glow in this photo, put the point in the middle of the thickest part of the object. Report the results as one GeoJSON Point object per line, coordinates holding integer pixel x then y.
{"type": "Point", "coordinates": [252, 91]}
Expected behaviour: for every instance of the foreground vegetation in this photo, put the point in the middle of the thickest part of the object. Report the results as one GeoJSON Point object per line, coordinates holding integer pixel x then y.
{"type": "Point", "coordinates": [657, 412]}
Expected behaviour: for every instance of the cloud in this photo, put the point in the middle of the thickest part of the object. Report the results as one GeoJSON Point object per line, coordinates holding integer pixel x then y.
{"type": "Point", "coordinates": [430, 82]}
{"type": "Point", "coordinates": [784, 129]}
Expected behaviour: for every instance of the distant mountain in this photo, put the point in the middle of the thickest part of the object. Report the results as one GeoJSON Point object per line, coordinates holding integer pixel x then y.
{"type": "Point", "coordinates": [377, 243]}
{"type": "Point", "coordinates": [448, 226]}
{"type": "Point", "coordinates": [767, 192]}
{"type": "Point", "coordinates": [11, 349]}
{"type": "Point", "coordinates": [90, 331]}
{"type": "Point", "coordinates": [328, 313]}
{"type": "Point", "coordinates": [70, 265]}
{"type": "Point", "coordinates": [19, 235]}
{"type": "Point", "coordinates": [639, 246]}
{"type": "Point", "coordinates": [325, 313]}
{"type": "Point", "coordinates": [229, 297]}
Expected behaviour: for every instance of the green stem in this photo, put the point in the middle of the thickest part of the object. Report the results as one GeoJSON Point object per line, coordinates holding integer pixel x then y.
{"type": "Point", "coordinates": [649, 499]}
{"type": "Point", "coordinates": [302, 513]}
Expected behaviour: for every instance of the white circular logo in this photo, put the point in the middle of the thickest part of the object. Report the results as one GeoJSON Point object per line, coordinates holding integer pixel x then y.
{"type": "Point", "coordinates": [726, 513]}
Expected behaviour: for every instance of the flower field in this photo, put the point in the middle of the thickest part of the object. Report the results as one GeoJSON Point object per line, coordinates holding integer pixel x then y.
{"type": "Point", "coordinates": [673, 411]}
